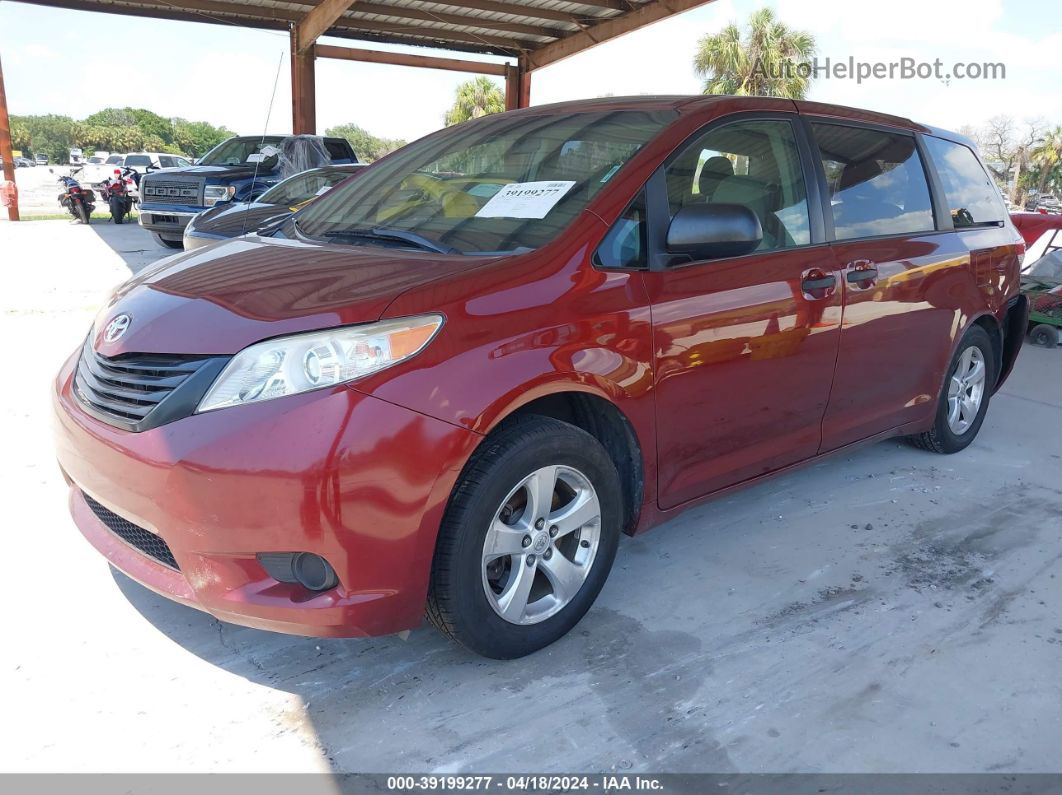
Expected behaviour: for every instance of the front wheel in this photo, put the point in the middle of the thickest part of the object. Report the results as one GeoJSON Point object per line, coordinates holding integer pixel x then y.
{"type": "Point", "coordinates": [964, 398]}
{"type": "Point", "coordinates": [167, 243]}
{"type": "Point", "coordinates": [528, 539]}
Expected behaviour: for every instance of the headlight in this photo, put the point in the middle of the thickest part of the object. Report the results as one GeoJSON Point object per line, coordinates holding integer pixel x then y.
{"type": "Point", "coordinates": [289, 365]}
{"type": "Point", "coordinates": [213, 194]}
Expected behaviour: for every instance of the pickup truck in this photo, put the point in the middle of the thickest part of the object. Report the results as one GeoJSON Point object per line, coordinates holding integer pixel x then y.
{"type": "Point", "coordinates": [239, 169]}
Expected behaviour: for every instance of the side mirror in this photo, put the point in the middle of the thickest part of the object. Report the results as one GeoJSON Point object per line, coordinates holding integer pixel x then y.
{"type": "Point", "coordinates": [711, 231]}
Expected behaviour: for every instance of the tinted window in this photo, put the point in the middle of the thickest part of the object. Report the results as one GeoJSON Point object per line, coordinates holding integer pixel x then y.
{"type": "Point", "coordinates": [495, 184]}
{"type": "Point", "coordinates": [166, 162]}
{"type": "Point", "coordinates": [182, 162]}
{"type": "Point", "coordinates": [971, 195]}
{"type": "Point", "coordinates": [624, 245]}
{"type": "Point", "coordinates": [113, 159]}
{"type": "Point", "coordinates": [238, 151]}
{"type": "Point", "coordinates": [876, 181]}
{"type": "Point", "coordinates": [753, 163]}
{"type": "Point", "coordinates": [337, 150]}
{"type": "Point", "coordinates": [137, 160]}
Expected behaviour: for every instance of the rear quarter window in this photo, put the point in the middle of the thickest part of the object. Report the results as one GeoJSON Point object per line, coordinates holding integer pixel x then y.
{"type": "Point", "coordinates": [972, 197]}
{"type": "Point", "coordinates": [338, 149]}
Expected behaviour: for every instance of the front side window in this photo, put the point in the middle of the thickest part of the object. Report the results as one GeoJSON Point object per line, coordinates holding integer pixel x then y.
{"type": "Point", "coordinates": [972, 197]}
{"type": "Point", "coordinates": [166, 161]}
{"type": "Point", "coordinates": [877, 185]}
{"type": "Point", "coordinates": [113, 159]}
{"type": "Point", "coordinates": [753, 163]}
{"type": "Point", "coordinates": [625, 244]}
{"type": "Point", "coordinates": [494, 185]}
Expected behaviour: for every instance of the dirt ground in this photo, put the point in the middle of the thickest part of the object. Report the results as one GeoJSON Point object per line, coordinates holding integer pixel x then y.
{"type": "Point", "coordinates": [885, 610]}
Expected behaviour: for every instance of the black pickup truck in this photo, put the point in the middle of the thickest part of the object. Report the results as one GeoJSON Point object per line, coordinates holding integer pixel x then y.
{"type": "Point", "coordinates": [239, 169]}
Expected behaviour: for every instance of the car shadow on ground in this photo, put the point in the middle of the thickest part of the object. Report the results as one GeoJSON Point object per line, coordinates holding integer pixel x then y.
{"type": "Point", "coordinates": [136, 247]}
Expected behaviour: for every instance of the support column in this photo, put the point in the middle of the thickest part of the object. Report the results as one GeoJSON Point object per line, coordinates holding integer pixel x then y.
{"type": "Point", "coordinates": [517, 86]}
{"type": "Point", "coordinates": [5, 144]}
{"type": "Point", "coordinates": [303, 89]}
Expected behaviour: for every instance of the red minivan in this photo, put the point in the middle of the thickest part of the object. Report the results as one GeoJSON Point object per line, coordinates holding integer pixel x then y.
{"type": "Point", "coordinates": [448, 385]}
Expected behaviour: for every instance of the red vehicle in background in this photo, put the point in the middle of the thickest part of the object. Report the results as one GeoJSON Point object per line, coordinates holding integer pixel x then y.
{"type": "Point", "coordinates": [1032, 226]}
{"type": "Point", "coordinates": [448, 385]}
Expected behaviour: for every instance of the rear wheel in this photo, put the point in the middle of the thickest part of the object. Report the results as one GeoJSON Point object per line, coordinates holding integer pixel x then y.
{"type": "Point", "coordinates": [167, 243]}
{"type": "Point", "coordinates": [964, 398]}
{"type": "Point", "coordinates": [117, 209]}
{"type": "Point", "coordinates": [528, 539]}
{"type": "Point", "coordinates": [82, 212]}
{"type": "Point", "coordinates": [1045, 335]}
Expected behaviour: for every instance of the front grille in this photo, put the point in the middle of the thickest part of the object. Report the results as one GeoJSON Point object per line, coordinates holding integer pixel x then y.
{"type": "Point", "coordinates": [170, 191]}
{"type": "Point", "coordinates": [134, 535]}
{"type": "Point", "coordinates": [129, 390]}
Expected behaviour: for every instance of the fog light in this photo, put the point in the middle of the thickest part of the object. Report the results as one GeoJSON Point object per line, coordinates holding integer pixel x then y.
{"type": "Point", "coordinates": [305, 568]}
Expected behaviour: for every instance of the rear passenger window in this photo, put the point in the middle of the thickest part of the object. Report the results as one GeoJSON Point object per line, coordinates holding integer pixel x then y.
{"type": "Point", "coordinates": [337, 149]}
{"type": "Point", "coordinates": [755, 164]}
{"type": "Point", "coordinates": [972, 197]}
{"type": "Point", "coordinates": [876, 181]}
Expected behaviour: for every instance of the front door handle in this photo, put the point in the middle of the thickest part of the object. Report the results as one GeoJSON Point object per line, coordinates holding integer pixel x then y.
{"type": "Point", "coordinates": [819, 283]}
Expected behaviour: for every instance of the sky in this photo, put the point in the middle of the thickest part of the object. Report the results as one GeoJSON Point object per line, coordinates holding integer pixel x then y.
{"type": "Point", "coordinates": [226, 75]}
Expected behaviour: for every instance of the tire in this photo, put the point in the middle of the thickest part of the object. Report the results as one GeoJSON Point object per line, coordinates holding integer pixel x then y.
{"type": "Point", "coordinates": [945, 437]}
{"type": "Point", "coordinates": [1045, 335]}
{"type": "Point", "coordinates": [117, 210]}
{"type": "Point", "coordinates": [81, 212]}
{"type": "Point", "coordinates": [167, 243]}
{"type": "Point", "coordinates": [466, 595]}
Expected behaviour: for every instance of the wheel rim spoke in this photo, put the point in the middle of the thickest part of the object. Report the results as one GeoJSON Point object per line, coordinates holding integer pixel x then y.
{"type": "Point", "coordinates": [581, 511]}
{"type": "Point", "coordinates": [540, 487]}
{"type": "Point", "coordinates": [563, 575]}
{"type": "Point", "coordinates": [503, 540]}
{"type": "Point", "coordinates": [512, 603]}
{"type": "Point", "coordinates": [966, 390]}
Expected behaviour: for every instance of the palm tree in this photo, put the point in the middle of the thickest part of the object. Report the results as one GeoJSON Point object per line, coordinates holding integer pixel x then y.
{"type": "Point", "coordinates": [1046, 156]}
{"type": "Point", "coordinates": [772, 61]}
{"type": "Point", "coordinates": [475, 98]}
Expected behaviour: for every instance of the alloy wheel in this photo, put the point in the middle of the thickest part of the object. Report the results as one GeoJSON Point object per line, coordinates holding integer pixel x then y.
{"type": "Point", "coordinates": [966, 390]}
{"type": "Point", "coordinates": [541, 544]}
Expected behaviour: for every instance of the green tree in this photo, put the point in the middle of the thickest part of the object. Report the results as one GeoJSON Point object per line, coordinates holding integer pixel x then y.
{"type": "Point", "coordinates": [52, 135]}
{"type": "Point", "coordinates": [148, 122]}
{"type": "Point", "coordinates": [772, 60]}
{"type": "Point", "coordinates": [367, 146]}
{"type": "Point", "coordinates": [475, 98]}
{"type": "Point", "coordinates": [1046, 159]}
{"type": "Point", "coordinates": [196, 138]}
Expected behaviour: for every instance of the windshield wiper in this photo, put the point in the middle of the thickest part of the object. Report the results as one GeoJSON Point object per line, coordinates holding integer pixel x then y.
{"type": "Point", "coordinates": [387, 233]}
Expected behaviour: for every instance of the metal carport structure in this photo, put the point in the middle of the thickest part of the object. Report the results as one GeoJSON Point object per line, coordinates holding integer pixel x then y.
{"type": "Point", "coordinates": [533, 33]}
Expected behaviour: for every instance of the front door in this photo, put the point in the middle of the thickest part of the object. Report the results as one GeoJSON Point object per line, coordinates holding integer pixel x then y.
{"type": "Point", "coordinates": [744, 346]}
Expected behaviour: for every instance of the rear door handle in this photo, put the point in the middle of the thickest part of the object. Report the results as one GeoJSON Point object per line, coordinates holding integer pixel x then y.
{"type": "Point", "coordinates": [864, 275]}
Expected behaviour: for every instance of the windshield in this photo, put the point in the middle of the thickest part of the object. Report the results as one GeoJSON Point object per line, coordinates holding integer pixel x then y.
{"type": "Point", "coordinates": [494, 185]}
{"type": "Point", "coordinates": [303, 187]}
{"type": "Point", "coordinates": [245, 151]}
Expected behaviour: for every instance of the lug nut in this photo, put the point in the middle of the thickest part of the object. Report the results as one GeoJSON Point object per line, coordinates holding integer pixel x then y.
{"type": "Point", "coordinates": [547, 554]}
{"type": "Point", "coordinates": [540, 523]}
{"type": "Point", "coordinates": [527, 541]}
{"type": "Point", "coordinates": [584, 544]}
{"type": "Point", "coordinates": [553, 530]}
{"type": "Point", "coordinates": [530, 560]}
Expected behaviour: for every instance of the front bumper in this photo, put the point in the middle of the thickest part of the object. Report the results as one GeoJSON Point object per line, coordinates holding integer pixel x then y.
{"type": "Point", "coordinates": [169, 223]}
{"type": "Point", "coordinates": [355, 479]}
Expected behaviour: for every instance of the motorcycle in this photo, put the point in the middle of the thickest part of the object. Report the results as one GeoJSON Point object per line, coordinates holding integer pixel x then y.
{"type": "Point", "coordinates": [119, 192]}
{"type": "Point", "coordinates": [80, 202]}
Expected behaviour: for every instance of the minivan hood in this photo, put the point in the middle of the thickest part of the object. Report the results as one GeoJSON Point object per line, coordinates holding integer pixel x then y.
{"type": "Point", "coordinates": [221, 298]}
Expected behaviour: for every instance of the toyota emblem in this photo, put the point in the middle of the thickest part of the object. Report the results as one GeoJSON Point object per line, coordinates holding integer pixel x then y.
{"type": "Point", "coordinates": [116, 328]}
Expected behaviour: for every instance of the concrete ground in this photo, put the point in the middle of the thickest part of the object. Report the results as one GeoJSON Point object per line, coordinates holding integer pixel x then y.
{"type": "Point", "coordinates": [888, 610]}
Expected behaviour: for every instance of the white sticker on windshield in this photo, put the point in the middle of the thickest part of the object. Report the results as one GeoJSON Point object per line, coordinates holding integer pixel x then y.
{"type": "Point", "coordinates": [257, 157]}
{"type": "Point", "coordinates": [325, 189]}
{"type": "Point", "coordinates": [525, 199]}
{"type": "Point", "coordinates": [269, 150]}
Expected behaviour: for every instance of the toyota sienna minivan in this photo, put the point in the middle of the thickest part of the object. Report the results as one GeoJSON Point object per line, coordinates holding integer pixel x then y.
{"type": "Point", "coordinates": [449, 384]}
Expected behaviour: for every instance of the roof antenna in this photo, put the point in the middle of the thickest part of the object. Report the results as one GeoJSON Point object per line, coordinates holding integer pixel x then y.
{"type": "Point", "coordinates": [261, 143]}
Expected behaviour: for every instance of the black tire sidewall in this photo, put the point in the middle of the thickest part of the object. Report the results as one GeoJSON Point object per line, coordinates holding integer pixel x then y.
{"type": "Point", "coordinates": [1050, 335]}
{"type": "Point", "coordinates": [481, 628]}
{"type": "Point", "coordinates": [950, 441]}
